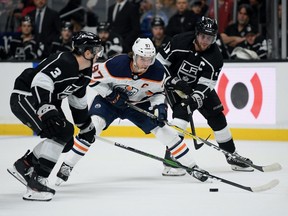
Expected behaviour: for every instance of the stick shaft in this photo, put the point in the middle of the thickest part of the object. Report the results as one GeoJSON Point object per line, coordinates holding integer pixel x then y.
{"type": "Point", "coordinates": [178, 165]}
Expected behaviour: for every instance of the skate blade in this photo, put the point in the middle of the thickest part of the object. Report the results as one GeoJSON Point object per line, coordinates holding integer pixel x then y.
{"type": "Point", "coordinates": [16, 175]}
{"type": "Point", "coordinates": [32, 195]}
{"type": "Point", "coordinates": [59, 181]}
{"type": "Point", "coordinates": [241, 169]}
{"type": "Point", "coordinates": [168, 171]}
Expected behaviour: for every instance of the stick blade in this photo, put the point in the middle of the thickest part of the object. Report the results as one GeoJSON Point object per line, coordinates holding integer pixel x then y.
{"type": "Point", "coordinates": [265, 187]}
{"type": "Point", "coordinates": [198, 145]}
{"type": "Point", "coordinates": [272, 167]}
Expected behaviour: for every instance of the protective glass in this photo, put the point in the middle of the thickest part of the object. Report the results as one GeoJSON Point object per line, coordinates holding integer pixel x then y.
{"type": "Point", "coordinates": [207, 38]}
{"type": "Point", "coordinates": [98, 50]}
{"type": "Point", "coordinates": [145, 60]}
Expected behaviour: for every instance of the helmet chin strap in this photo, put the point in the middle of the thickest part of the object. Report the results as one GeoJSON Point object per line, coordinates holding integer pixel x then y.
{"type": "Point", "coordinates": [138, 70]}
{"type": "Point", "coordinates": [91, 60]}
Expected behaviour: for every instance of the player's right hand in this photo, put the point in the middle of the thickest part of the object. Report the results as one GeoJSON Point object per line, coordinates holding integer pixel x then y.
{"type": "Point", "coordinates": [181, 85]}
{"type": "Point", "coordinates": [118, 99]}
{"type": "Point", "coordinates": [51, 119]}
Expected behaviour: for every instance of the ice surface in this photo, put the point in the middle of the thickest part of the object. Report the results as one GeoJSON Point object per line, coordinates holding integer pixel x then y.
{"type": "Point", "coordinates": [111, 181]}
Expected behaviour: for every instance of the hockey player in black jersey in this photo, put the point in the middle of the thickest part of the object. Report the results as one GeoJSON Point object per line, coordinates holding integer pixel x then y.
{"type": "Point", "coordinates": [36, 101]}
{"type": "Point", "coordinates": [193, 61]}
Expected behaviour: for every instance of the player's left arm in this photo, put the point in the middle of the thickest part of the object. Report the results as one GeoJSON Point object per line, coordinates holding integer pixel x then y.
{"type": "Point", "coordinates": [206, 83]}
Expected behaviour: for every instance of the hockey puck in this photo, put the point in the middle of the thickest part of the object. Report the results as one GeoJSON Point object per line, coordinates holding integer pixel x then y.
{"type": "Point", "coordinates": [213, 189]}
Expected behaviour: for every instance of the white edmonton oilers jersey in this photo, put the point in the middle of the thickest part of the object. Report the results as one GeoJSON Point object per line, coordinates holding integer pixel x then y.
{"type": "Point", "coordinates": [116, 73]}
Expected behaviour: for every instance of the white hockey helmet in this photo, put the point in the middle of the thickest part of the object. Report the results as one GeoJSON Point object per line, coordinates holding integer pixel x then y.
{"type": "Point", "coordinates": [145, 48]}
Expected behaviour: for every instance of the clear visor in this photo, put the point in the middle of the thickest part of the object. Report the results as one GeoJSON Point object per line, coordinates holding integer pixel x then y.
{"type": "Point", "coordinates": [206, 38]}
{"type": "Point", "coordinates": [98, 50]}
{"type": "Point", "coordinates": [144, 60]}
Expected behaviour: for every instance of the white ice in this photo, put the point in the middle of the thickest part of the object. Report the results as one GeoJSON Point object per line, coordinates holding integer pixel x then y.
{"type": "Point", "coordinates": [111, 181]}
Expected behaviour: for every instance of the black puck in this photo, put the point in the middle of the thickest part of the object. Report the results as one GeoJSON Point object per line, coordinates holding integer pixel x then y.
{"type": "Point", "coordinates": [213, 189]}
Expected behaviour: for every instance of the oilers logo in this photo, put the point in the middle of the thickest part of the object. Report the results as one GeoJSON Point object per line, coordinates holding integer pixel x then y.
{"type": "Point", "coordinates": [129, 90]}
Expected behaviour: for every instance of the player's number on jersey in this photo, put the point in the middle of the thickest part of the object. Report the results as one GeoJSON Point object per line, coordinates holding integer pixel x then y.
{"type": "Point", "coordinates": [96, 74]}
{"type": "Point", "coordinates": [56, 72]}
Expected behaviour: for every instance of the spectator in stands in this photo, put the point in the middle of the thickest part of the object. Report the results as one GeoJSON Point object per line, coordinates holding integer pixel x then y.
{"type": "Point", "coordinates": [235, 33]}
{"type": "Point", "coordinates": [225, 13]}
{"type": "Point", "coordinates": [169, 7]}
{"type": "Point", "coordinates": [64, 43]}
{"type": "Point", "coordinates": [23, 47]}
{"type": "Point", "coordinates": [148, 11]}
{"type": "Point", "coordinates": [124, 20]}
{"type": "Point", "coordinates": [159, 38]}
{"type": "Point", "coordinates": [196, 8]}
{"type": "Point", "coordinates": [47, 26]}
{"type": "Point", "coordinates": [111, 42]}
{"type": "Point", "coordinates": [258, 16]}
{"type": "Point", "coordinates": [184, 20]}
{"type": "Point", "coordinates": [254, 47]}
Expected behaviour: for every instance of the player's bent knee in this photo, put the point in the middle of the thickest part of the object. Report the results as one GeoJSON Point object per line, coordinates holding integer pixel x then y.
{"type": "Point", "coordinates": [166, 135]}
{"type": "Point", "coordinates": [68, 145]}
{"type": "Point", "coordinates": [65, 134]}
{"type": "Point", "coordinates": [217, 122]}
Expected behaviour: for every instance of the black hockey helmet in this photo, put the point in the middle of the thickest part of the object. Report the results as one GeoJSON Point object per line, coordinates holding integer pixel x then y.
{"type": "Point", "coordinates": [207, 26]}
{"type": "Point", "coordinates": [103, 26]}
{"type": "Point", "coordinates": [67, 26]}
{"type": "Point", "coordinates": [157, 21]}
{"type": "Point", "coordinates": [84, 40]}
{"type": "Point", "coordinates": [27, 19]}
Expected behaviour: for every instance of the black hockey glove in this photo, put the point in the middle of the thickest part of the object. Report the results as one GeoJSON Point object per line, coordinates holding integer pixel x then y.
{"type": "Point", "coordinates": [87, 131]}
{"type": "Point", "coordinates": [194, 101]}
{"type": "Point", "coordinates": [180, 85]}
{"type": "Point", "coordinates": [51, 119]}
{"type": "Point", "coordinates": [161, 112]}
{"type": "Point", "coordinates": [118, 99]}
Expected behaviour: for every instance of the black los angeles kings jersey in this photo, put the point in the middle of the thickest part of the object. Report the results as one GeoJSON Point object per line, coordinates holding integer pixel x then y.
{"type": "Point", "coordinates": [199, 69]}
{"type": "Point", "coordinates": [54, 79]}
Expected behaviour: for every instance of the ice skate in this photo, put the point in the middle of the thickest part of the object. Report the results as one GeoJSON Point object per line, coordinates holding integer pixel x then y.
{"type": "Point", "coordinates": [63, 174]}
{"type": "Point", "coordinates": [21, 169]}
{"type": "Point", "coordinates": [199, 175]}
{"type": "Point", "coordinates": [37, 189]}
{"type": "Point", "coordinates": [237, 165]}
{"type": "Point", "coordinates": [171, 171]}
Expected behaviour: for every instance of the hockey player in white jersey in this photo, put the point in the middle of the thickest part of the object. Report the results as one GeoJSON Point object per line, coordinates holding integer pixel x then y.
{"type": "Point", "coordinates": [136, 78]}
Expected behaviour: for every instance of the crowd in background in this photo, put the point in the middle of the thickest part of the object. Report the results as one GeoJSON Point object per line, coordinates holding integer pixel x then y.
{"type": "Point", "coordinates": [31, 29]}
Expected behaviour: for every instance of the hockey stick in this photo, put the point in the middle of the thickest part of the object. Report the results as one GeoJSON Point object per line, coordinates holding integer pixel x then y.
{"type": "Point", "coordinates": [261, 188]}
{"type": "Point", "coordinates": [267, 168]}
{"type": "Point", "coordinates": [196, 144]}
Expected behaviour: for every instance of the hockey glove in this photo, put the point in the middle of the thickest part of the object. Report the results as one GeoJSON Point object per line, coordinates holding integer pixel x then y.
{"type": "Point", "coordinates": [161, 112]}
{"type": "Point", "coordinates": [87, 131]}
{"type": "Point", "coordinates": [181, 85]}
{"type": "Point", "coordinates": [193, 101]}
{"type": "Point", "coordinates": [51, 119]}
{"type": "Point", "coordinates": [118, 99]}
